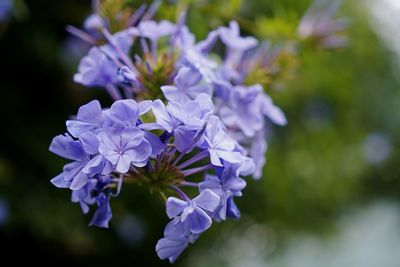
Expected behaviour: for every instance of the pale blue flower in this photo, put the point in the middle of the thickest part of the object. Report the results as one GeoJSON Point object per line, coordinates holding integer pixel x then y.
{"type": "Point", "coordinates": [193, 212]}
{"type": "Point", "coordinates": [232, 39]}
{"type": "Point", "coordinates": [123, 148]}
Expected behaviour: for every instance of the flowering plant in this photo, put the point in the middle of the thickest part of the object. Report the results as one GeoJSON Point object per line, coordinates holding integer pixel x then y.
{"type": "Point", "coordinates": [182, 117]}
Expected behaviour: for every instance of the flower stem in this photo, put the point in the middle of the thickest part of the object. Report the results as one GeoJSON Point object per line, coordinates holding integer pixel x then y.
{"type": "Point", "coordinates": [193, 160]}
{"type": "Point", "coordinates": [113, 92]}
{"type": "Point", "coordinates": [191, 184]}
{"type": "Point", "coordinates": [181, 193]}
{"type": "Point", "coordinates": [196, 170]}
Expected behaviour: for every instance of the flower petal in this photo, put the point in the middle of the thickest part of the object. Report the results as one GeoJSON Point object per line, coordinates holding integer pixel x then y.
{"type": "Point", "coordinates": [198, 221]}
{"type": "Point", "coordinates": [207, 200]}
{"type": "Point", "coordinates": [170, 249]}
{"type": "Point", "coordinates": [126, 111]}
{"type": "Point", "coordinates": [175, 206]}
{"type": "Point", "coordinates": [60, 182]}
{"type": "Point", "coordinates": [162, 116]}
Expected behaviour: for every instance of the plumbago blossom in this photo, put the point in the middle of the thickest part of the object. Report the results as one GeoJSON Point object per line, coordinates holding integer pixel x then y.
{"type": "Point", "coordinates": [109, 146]}
{"type": "Point", "coordinates": [320, 25]}
{"type": "Point", "coordinates": [180, 118]}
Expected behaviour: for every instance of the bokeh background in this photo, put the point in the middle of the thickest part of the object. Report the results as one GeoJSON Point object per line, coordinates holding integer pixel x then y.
{"type": "Point", "coordinates": [330, 192]}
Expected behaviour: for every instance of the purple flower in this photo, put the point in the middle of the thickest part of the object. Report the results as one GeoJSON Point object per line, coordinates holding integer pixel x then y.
{"type": "Point", "coordinates": [184, 39]}
{"type": "Point", "coordinates": [86, 196]}
{"type": "Point", "coordinates": [222, 89]}
{"type": "Point", "coordinates": [232, 210]}
{"type": "Point", "coordinates": [207, 44]}
{"type": "Point", "coordinates": [72, 177]}
{"type": "Point", "coordinates": [125, 147]}
{"type": "Point", "coordinates": [194, 113]}
{"type": "Point", "coordinates": [124, 113]}
{"type": "Point", "coordinates": [246, 108]}
{"type": "Point", "coordinates": [226, 185]}
{"type": "Point", "coordinates": [186, 86]}
{"type": "Point", "coordinates": [257, 152]}
{"type": "Point", "coordinates": [232, 39]}
{"type": "Point", "coordinates": [189, 219]}
{"type": "Point", "coordinates": [183, 120]}
{"type": "Point", "coordinates": [193, 213]}
{"type": "Point", "coordinates": [94, 23]}
{"type": "Point", "coordinates": [219, 144]}
{"type": "Point", "coordinates": [319, 23]}
{"type": "Point", "coordinates": [153, 30]}
{"type": "Point", "coordinates": [177, 238]}
{"type": "Point", "coordinates": [96, 69]}
{"type": "Point", "coordinates": [103, 214]}
{"type": "Point", "coordinates": [195, 57]}
{"type": "Point", "coordinates": [164, 119]}
{"type": "Point", "coordinates": [271, 111]}
{"type": "Point", "coordinates": [210, 123]}
{"type": "Point", "coordinates": [201, 63]}
{"type": "Point", "coordinates": [89, 118]}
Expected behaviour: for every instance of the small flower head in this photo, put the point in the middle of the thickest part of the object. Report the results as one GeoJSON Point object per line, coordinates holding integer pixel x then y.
{"type": "Point", "coordinates": [232, 39]}
{"type": "Point", "coordinates": [193, 213]}
{"type": "Point", "coordinates": [96, 69]}
{"type": "Point", "coordinates": [319, 24]}
{"type": "Point", "coordinates": [226, 185]}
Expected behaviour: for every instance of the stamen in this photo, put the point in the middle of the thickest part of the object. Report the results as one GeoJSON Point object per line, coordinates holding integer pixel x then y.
{"type": "Point", "coordinates": [197, 170]}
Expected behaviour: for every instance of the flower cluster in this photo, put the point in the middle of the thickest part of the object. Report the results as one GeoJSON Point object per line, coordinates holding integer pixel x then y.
{"type": "Point", "coordinates": [182, 117]}
{"type": "Point", "coordinates": [320, 25]}
{"type": "Point", "coordinates": [110, 146]}
{"type": "Point", "coordinates": [183, 70]}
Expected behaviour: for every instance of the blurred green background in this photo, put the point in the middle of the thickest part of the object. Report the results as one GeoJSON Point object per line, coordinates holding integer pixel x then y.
{"type": "Point", "coordinates": [331, 186]}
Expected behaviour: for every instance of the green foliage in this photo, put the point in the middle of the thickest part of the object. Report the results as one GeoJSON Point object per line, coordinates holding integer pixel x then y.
{"type": "Point", "coordinates": [117, 13]}
{"type": "Point", "coordinates": [276, 29]}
